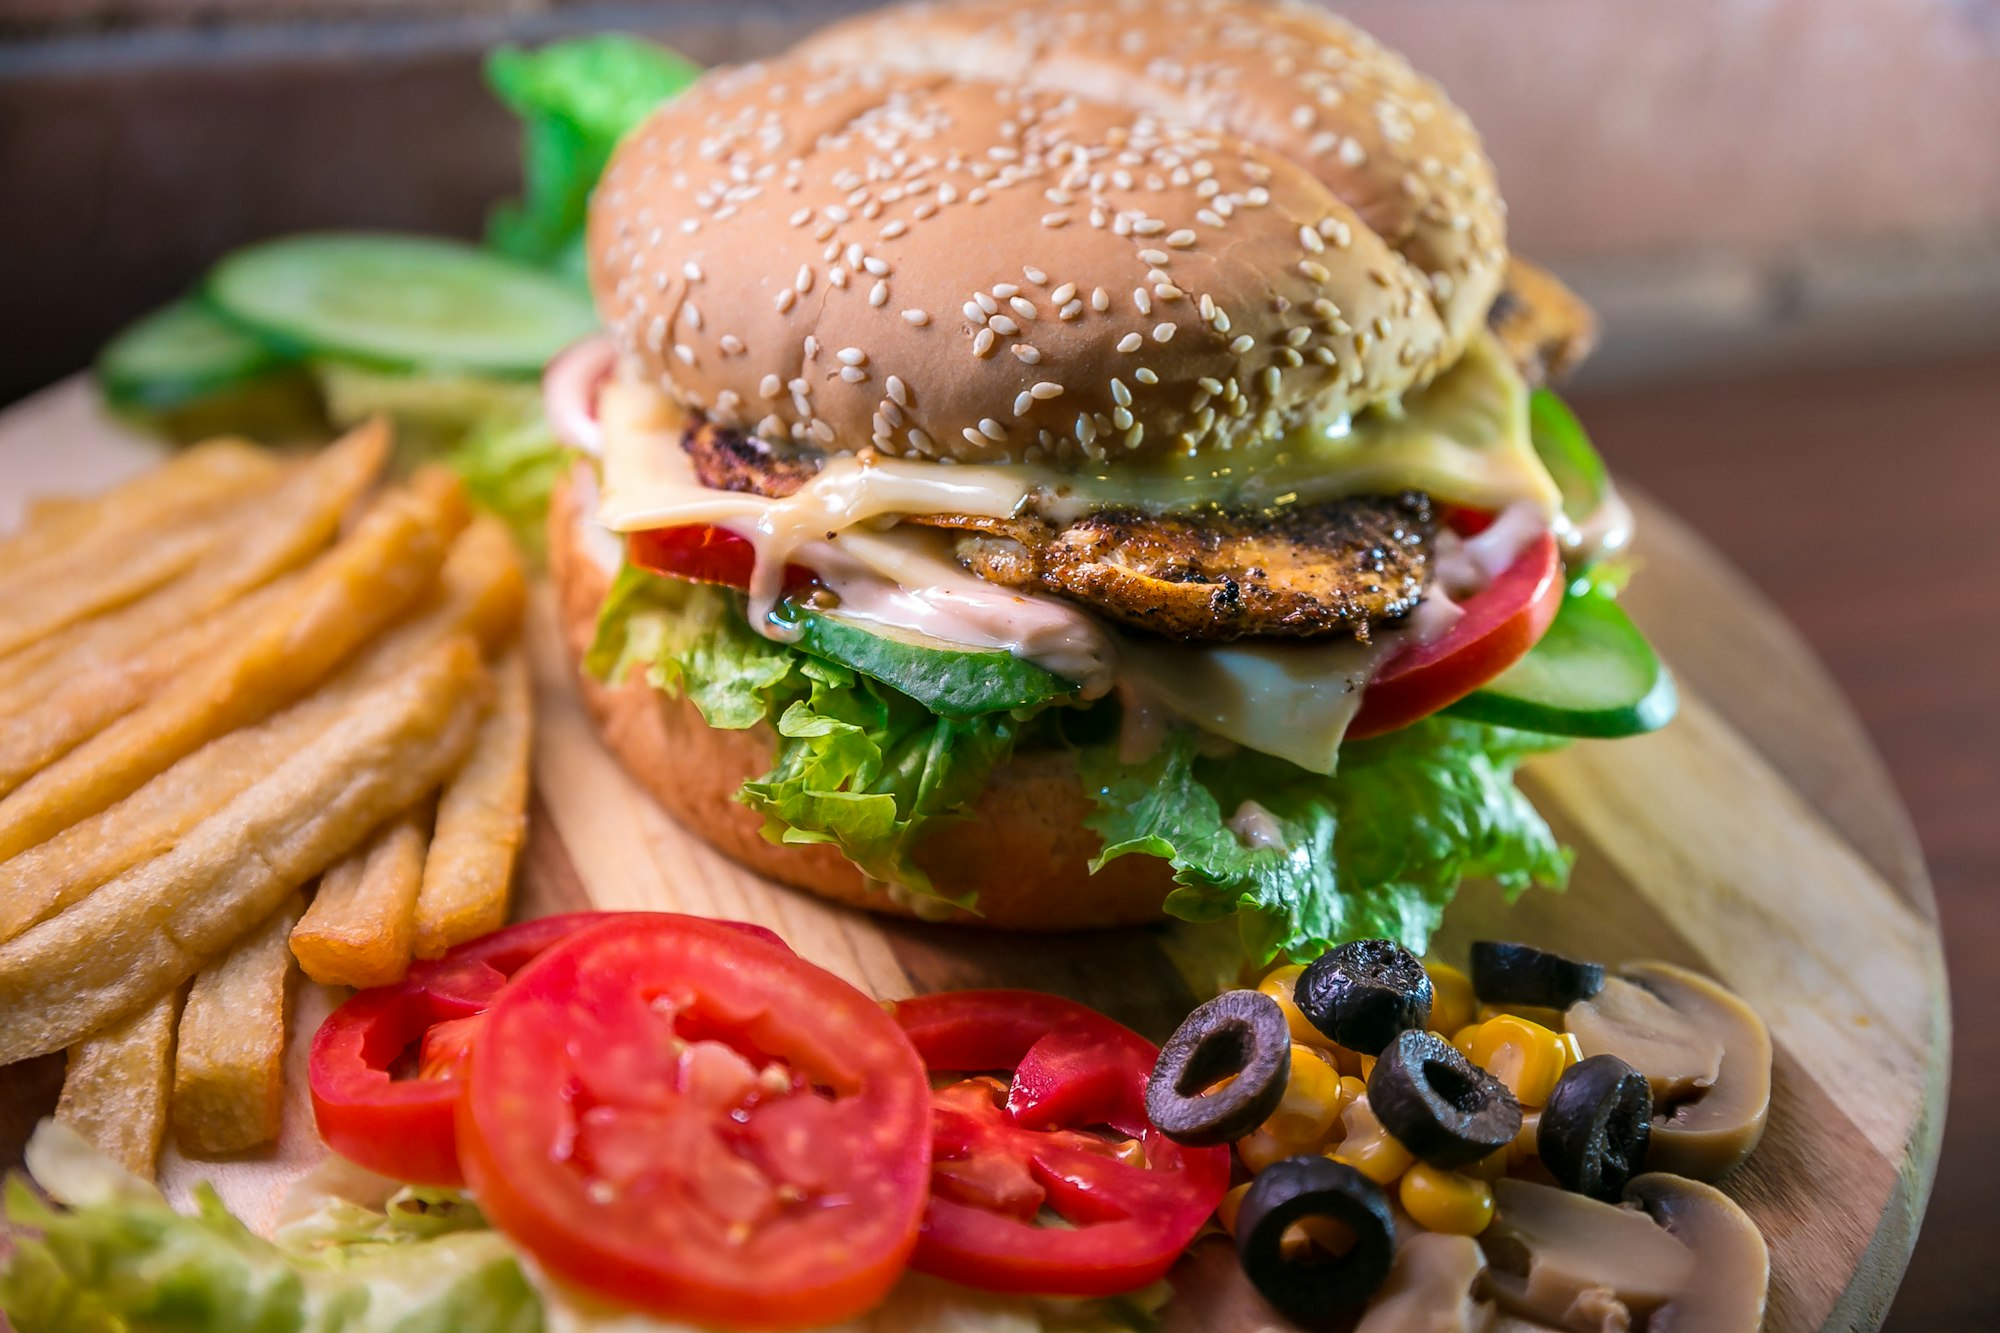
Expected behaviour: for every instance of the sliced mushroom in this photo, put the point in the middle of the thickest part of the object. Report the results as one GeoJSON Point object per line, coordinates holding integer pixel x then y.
{"type": "Point", "coordinates": [1706, 1054]}
{"type": "Point", "coordinates": [1430, 1289]}
{"type": "Point", "coordinates": [1730, 1254]}
{"type": "Point", "coordinates": [1574, 1263]}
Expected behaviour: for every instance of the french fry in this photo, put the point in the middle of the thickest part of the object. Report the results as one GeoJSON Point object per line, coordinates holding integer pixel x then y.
{"type": "Point", "coordinates": [280, 533]}
{"type": "Point", "coordinates": [153, 927]}
{"type": "Point", "coordinates": [59, 528]}
{"type": "Point", "coordinates": [111, 569]}
{"type": "Point", "coordinates": [114, 1091]}
{"type": "Point", "coordinates": [481, 819]}
{"type": "Point", "coordinates": [482, 590]}
{"type": "Point", "coordinates": [349, 595]}
{"type": "Point", "coordinates": [362, 923]}
{"type": "Point", "coordinates": [229, 1062]}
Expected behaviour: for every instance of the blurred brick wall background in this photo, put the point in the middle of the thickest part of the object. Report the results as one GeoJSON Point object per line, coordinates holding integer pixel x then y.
{"type": "Point", "coordinates": [1737, 184]}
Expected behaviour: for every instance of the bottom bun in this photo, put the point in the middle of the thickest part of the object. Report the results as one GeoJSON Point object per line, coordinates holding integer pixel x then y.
{"type": "Point", "coordinates": [1023, 854]}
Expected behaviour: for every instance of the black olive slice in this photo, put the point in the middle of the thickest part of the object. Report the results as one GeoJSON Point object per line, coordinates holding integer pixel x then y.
{"type": "Point", "coordinates": [1241, 1033]}
{"type": "Point", "coordinates": [1365, 992]}
{"type": "Point", "coordinates": [1520, 974]}
{"type": "Point", "coordinates": [1440, 1105]}
{"type": "Point", "coordinates": [1597, 1124]}
{"type": "Point", "coordinates": [1315, 1291]}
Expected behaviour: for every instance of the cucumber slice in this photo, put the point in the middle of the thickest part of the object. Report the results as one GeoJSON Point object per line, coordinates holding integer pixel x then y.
{"type": "Point", "coordinates": [1593, 674]}
{"type": "Point", "coordinates": [401, 303]}
{"type": "Point", "coordinates": [1568, 454]}
{"type": "Point", "coordinates": [950, 680]}
{"type": "Point", "coordinates": [178, 354]}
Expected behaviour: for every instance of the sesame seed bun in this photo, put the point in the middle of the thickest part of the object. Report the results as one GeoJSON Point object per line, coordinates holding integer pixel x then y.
{"type": "Point", "coordinates": [1024, 852]}
{"type": "Point", "coordinates": [914, 233]}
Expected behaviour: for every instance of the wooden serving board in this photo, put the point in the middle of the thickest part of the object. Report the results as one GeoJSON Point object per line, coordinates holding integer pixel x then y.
{"type": "Point", "coordinates": [1757, 839]}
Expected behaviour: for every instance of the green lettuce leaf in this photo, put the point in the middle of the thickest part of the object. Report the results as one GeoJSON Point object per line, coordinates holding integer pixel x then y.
{"type": "Point", "coordinates": [510, 463]}
{"type": "Point", "coordinates": [858, 764]}
{"type": "Point", "coordinates": [120, 1260]}
{"type": "Point", "coordinates": [1376, 850]}
{"type": "Point", "coordinates": [575, 100]}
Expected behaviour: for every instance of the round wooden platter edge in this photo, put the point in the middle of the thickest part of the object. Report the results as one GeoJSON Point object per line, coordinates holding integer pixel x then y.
{"type": "Point", "coordinates": [1757, 838]}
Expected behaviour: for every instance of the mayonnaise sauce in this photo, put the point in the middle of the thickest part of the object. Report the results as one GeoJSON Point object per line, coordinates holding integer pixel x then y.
{"type": "Point", "coordinates": [1606, 530]}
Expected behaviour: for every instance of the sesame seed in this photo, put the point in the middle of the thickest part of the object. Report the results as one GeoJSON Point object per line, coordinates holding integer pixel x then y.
{"type": "Point", "coordinates": [1122, 418]}
{"type": "Point", "coordinates": [1154, 257]}
{"type": "Point", "coordinates": [879, 293]}
{"type": "Point", "coordinates": [986, 303]}
{"type": "Point", "coordinates": [1023, 307]}
{"type": "Point", "coordinates": [731, 345]}
{"type": "Point", "coordinates": [1119, 393]}
{"type": "Point", "coordinates": [811, 345]}
{"type": "Point", "coordinates": [973, 437]}
{"type": "Point", "coordinates": [821, 431]}
{"type": "Point", "coordinates": [973, 312]}
{"type": "Point", "coordinates": [1035, 275]}
{"type": "Point", "coordinates": [770, 387]}
{"type": "Point", "coordinates": [1316, 272]}
{"type": "Point", "coordinates": [890, 413]}
{"type": "Point", "coordinates": [692, 314]}
{"type": "Point", "coordinates": [1028, 353]}
{"type": "Point", "coordinates": [1148, 227]}
{"type": "Point", "coordinates": [1244, 342]}
{"type": "Point", "coordinates": [878, 267]}
{"type": "Point", "coordinates": [919, 440]}
{"type": "Point", "coordinates": [1003, 290]}
{"type": "Point", "coordinates": [1310, 239]}
{"type": "Point", "coordinates": [899, 391]}
{"type": "Point", "coordinates": [1208, 217]}
{"type": "Point", "coordinates": [992, 429]}
{"type": "Point", "coordinates": [1298, 335]}
{"type": "Point", "coordinates": [684, 353]}
{"type": "Point", "coordinates": [1209, 385]}
{"type": "Point", "coordinates": [1023, 401]}
{"type": "Point", "coordinates": [1054, 220]}
{"type": "Point", "coordinates": [982, 342]}
{"type": "Point", "coordinates": [853, 374]}
{"type": "Point", "coordinates": [892, 230]}
{"type": "Point", "coordinates": [1131, 342]}
{"type": "Point", "coordinates": [1145, 375]}
{"type": "Point", "coordinates": [1182, 239]}
{"type": "Point", "coordinates": [1143, 299]}
{"type": "Point", "coordinates": [1046, 389]}
{"type": "Point", "coordinates": [1271, 379]}
{"type": "Point", "coordinates": [1072, 310]}
{"type": "Point", "coordinates": [1166, 291]}
{"type": "Point", "coordinates": [1063, 293]}
{"type": "Point", "coordinates": [917, 317]}
{"type": "Point", "coordinates": [692, 271]}
{"type": "Point", "coordinates": [837, 275]}
{"type": "Point", "coordinates": [852, 356]}
{"type": "Point", "coordinates": [803, 283]}
{"type": "Point", "coordinates": [1003, 326]}
{"type": "Point", "coordinates": [801, 217]}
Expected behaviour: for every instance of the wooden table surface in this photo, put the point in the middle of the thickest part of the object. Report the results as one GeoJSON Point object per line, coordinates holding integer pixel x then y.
{"type": "Point", "coordinates": [1863, 503]}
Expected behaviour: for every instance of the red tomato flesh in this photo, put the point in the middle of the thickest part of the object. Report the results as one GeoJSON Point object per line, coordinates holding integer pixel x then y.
{"type": "Point", "coordinates": [694, 1123]}
{"type": "Point", "coordinates": [405, 1127]}
{"type": "Point", "coordinates": [1003, 1152]}
{"type": "Point", "coordinates": [700, 553]}
{"type": "Point", "coordinates": [1499, 625]}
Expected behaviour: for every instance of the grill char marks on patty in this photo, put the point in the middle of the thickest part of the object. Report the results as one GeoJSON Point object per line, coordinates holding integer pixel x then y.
{"type": "Point", "coordinates": [1309, 571]}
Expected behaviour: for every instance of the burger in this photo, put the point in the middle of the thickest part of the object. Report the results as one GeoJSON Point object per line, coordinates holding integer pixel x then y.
{"type": "Point", "coordinates": [1055, 465]}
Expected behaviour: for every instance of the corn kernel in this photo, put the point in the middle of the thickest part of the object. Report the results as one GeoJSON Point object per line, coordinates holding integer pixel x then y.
{"type": "Point", "coordinates": [1232, 1203]}
{"type": "Point", "coordinates": [1548, 1018]}
{"type": "Point", "coordinates": [1312, 1100]}
{"type": "Point", "coordinates": [1490, 1167]}
{"type": "Point", "coordinates": [1367, 1071]}
{"type": "Point", "coordinates": [1369, 1148]}
{"type": "Point", "coordinates": [1573, 1050]}
{"type": "Point", "coordinates": [1526, 1056]}
{"type": "Point", "coordinates": [1261, 1148]}
{"type": "Point", "coordinates": [1278, 985]}
{"type": "Point", "coordinates": [1524, 1149]}
{"type": "Point", "coordinates": [1446, 1201]}
{"type": "Point", "coordinates": [1463, 1039]}
{"type": "Point", "coordinates": [1452, 1000]}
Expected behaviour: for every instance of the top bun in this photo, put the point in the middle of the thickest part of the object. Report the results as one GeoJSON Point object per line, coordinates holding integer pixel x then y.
{"type": "Point", "coordinates": [1073, 229]}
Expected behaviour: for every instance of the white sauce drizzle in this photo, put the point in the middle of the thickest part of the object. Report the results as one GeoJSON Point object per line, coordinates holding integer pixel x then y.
{"type": "Point", "coordinates": [1605, 531]}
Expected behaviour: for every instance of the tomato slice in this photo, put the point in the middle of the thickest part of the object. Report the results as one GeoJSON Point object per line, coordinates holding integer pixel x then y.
{"type": "Point", "coordinates": [1003, 1152]}
{"type": "Point", "coordinates": [697, 1124]}
{"type": "Point", "coordinates": [1499, 625]}
{"type": "Point", "coordinates": [701, 553]}
{"type": "Point", "coordinates": [404, 1126]}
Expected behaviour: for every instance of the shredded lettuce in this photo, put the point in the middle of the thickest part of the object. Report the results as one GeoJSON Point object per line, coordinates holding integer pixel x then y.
{"type": "Point", "coordinates": [859, 764]}
{"type": "Point", "coordinates": [575, 100]}
{"type": "Point", "coordinates": [118, 1259]}
{"type": "Point", "coordinates": [510, 463]}
{"type": "Point", "coordinates": [1375, 850]}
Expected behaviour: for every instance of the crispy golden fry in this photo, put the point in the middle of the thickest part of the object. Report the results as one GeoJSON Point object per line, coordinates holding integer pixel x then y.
{"type": "Point", "coordinates": [152, 928]}
{"type": "Point", "coordinates": [383, 567]}
{"type": "Point", "coordinates": [229, 1063]}
{"type": "Point", "coordinates": [362, 923]}
{"type": "Point", "coordinates": [293, 525]}
{"type": "Point", "coordinates": [482, 817]}
{"type": "Point", "coordinates": [482, 592]}
{"type": "Point", "coordinates": [61, 527]}
{"type": "Point", "coordinates": [114, 1092]}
